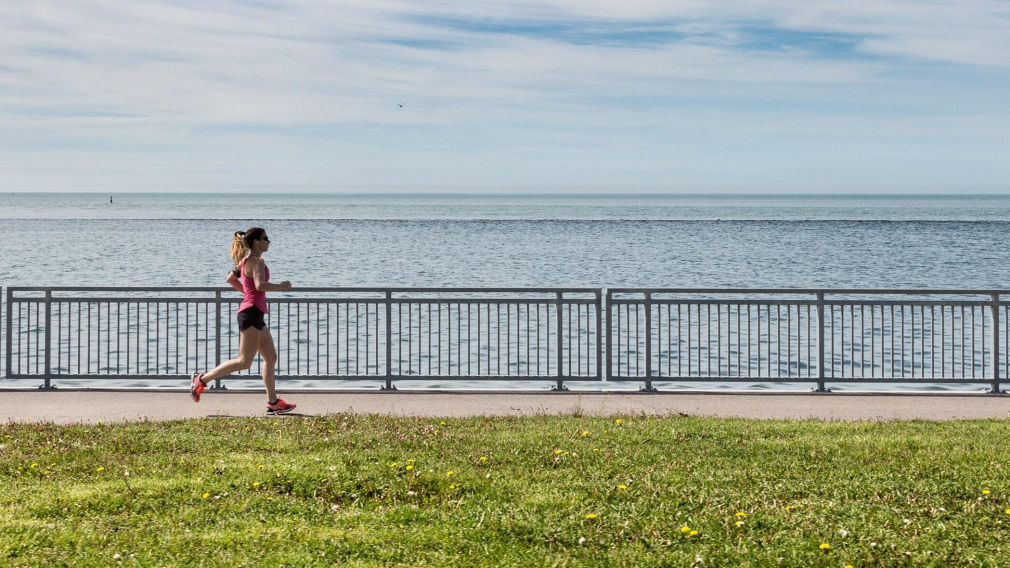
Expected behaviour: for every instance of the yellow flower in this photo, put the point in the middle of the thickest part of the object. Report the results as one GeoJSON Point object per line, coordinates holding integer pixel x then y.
{"type": "Point", "coordinates": [441, 423]}
{"type": "Point", "coordinates": [557, 452]}
{"type": "Point", "coordinates": [411, 460]}
{"type": "Point", "coordinates": [596, 449]}
{"type": "Point", "coordinates": [590, 516]}
{"type": "Point", "coordinates": [693, 533]}
{"type": "Point", "coordinates": [449, 473]}
{"type": "Point", "coordinates": [34, 465]}
{"type": "Point", "coordinates": [101, 469]}
{"type": "Point", "coordinates": [330, 431]}
{"type": "Point", "coordinates": [739, 523]}
{"type": "Point", "coordinates": [741, 514]}
{"type": "Point", "coordinates": [848, 566]}
{"type": "Point", "coordinates": [685, 529]}
{"type": "Point", "coordinates": [985, 492]}
{"type": "Point", "coordinates": [141, 468]}
{"type": "Point", "coordinates": [394, 464]}
{"type": "Point", "coordinates": [410, 467]}
{"type": "Point", "coordinates": [585, 432]}
{"type": "Point", "coordinates": [270, 498]}
{"type": "Point", "coordinates": [452, 487]}
{"type": "Point", "coordinates": [619, 421]}
{"type": "Point", "coordinates": [206, 495]}
{"type": "Point", "coordinates": [622, 487]}
{"type": "Point", "coordinates": [256, 484]}
{"type": "Point", "coordinates": [825, 546]}
{"type": "Point", "coordinates": [260, 466]}
{"type": "Point", "coordinates": [1008, 511]}
{"type": "Point", "coordinates": [483, 458]}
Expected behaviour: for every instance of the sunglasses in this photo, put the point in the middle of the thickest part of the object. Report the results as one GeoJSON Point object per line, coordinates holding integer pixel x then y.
{"type": "Point", "coordinates": [267, 239]}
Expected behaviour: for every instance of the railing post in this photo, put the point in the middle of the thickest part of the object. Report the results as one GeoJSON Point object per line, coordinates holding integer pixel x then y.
{"type": "Point", "coordinates": [994, 306]}
{"type": "Point", "coordinates": [610, 332]}
{"type": "Point", "coordinates": [217, 335]}
{"type": "Point", "coordinates": [821, 322]}
{"type": "Point", "coordinates": [560, 386]}
{"type": "Point", "coordinates": [599, 330]}
{"type": "Point", "coordinates": [48, 342]}
{"type": "Point", "coordinates": [648, 344]}
{"type": "Point", "coordinates": [389, 343]}
{"type": "Point", "coordinates": [9, 325]}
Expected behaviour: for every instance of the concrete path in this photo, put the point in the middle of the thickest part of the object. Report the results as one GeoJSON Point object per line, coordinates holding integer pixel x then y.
{"type": "Point", "coordinates": [67, 406]}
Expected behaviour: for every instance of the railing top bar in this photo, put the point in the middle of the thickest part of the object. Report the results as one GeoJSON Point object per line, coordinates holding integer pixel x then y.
{"type": "Point", "coordinates": [119, 289]}
{"type": "Point", "coordinates": [833, 291]}
{"type": "Point", "coordinates": [295, 290]}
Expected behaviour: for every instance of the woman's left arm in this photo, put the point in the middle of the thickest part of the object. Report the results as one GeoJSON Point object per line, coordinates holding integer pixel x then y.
{"type": "Point", "coordinates": [233, 280]}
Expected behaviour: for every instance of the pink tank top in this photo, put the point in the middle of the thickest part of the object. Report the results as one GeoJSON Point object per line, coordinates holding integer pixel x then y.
{"type": "Point", "coordinates": [250, 295]}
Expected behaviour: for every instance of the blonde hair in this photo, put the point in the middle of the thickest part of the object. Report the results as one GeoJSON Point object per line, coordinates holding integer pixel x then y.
{"type": "Point", "coordinates": [242, 243]}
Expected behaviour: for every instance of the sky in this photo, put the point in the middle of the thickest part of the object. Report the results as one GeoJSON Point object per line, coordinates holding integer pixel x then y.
{"type": "Point", "coordinates": [560, 95]}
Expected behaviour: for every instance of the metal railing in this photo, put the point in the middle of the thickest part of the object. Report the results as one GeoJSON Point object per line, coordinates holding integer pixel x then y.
{"type": "Point", "coordinates": [545, 334]}
{"type": "Point", "coordinates": [851, 336]}
{"type": "Point", "coordinates": [390, 334]}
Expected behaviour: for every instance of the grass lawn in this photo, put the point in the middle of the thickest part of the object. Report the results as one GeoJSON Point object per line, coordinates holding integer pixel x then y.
{"type": "Point", "coordinates": [545, 491]}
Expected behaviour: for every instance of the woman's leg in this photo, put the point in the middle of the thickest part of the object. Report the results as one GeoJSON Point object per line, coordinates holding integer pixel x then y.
{"type": "Point", "coordinates": [269, 354]}
{"type": "Point", "coordinates": [248, 343]}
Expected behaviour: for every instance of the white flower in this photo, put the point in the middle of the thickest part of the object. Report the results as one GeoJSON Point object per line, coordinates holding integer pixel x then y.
{"type": "Point", "coordinates": [582, 540]}
{"type": "Point", "coordinates": [333, 468]}
{"type": "Point", "coordinates": [843, 533]}
{"type": "Point", "coordinates": [115, 556]}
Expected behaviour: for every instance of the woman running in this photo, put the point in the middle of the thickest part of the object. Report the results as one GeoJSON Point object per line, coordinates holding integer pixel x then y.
{"type": "Point", "coordinates": [251, 277]}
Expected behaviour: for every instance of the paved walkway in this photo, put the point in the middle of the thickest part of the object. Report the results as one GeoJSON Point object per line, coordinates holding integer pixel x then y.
{"type": "Point", "coordinates": [66, 405]}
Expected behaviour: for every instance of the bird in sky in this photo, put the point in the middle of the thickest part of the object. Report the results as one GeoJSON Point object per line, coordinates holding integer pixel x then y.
{"type": "Point", "coordinates": [399, 105]}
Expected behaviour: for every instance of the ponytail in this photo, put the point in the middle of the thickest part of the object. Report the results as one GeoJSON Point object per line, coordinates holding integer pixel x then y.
{"type": "Point", "coordinates": [239, 249]}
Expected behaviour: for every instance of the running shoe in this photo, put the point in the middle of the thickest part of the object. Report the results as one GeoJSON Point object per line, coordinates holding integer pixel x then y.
{"type": "Point", "coordinates": [280, 407]}
{"type": "Point", "coordinates": [196, 386]}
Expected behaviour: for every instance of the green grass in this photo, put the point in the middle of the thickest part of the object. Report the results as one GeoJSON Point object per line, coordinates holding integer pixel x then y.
{"type": "Point", "coordinates": [375, 490]}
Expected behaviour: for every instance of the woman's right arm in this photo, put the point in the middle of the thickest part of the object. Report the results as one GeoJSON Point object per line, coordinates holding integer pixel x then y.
{"type": "Point", "coordinates": [259, 277]}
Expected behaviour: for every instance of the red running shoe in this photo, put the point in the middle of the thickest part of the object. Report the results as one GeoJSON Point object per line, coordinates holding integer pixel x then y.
{"type": "Point", "coordinates": [196, 386]}
{"type": "Point", "coordinates": [280, 407]}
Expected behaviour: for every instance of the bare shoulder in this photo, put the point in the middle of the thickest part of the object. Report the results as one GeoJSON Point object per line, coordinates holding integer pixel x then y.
{"type": "Point", "coordinates": [252, 264]}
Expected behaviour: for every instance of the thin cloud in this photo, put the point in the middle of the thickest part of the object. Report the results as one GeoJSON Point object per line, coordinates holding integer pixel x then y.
{"type": "Point", "coordinates": [311, 87]}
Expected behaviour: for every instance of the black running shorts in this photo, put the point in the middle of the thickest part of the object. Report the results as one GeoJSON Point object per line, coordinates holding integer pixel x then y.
{"type": "Point", "coordinates": [251, 317]}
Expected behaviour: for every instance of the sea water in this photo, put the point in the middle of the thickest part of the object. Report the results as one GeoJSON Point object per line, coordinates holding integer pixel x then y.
{"type": "Point", "coordinates": [513, 240]}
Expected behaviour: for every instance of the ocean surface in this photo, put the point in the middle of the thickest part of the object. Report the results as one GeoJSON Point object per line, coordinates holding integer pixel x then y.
{"type": "Point", "coordinates": [502, 240]}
